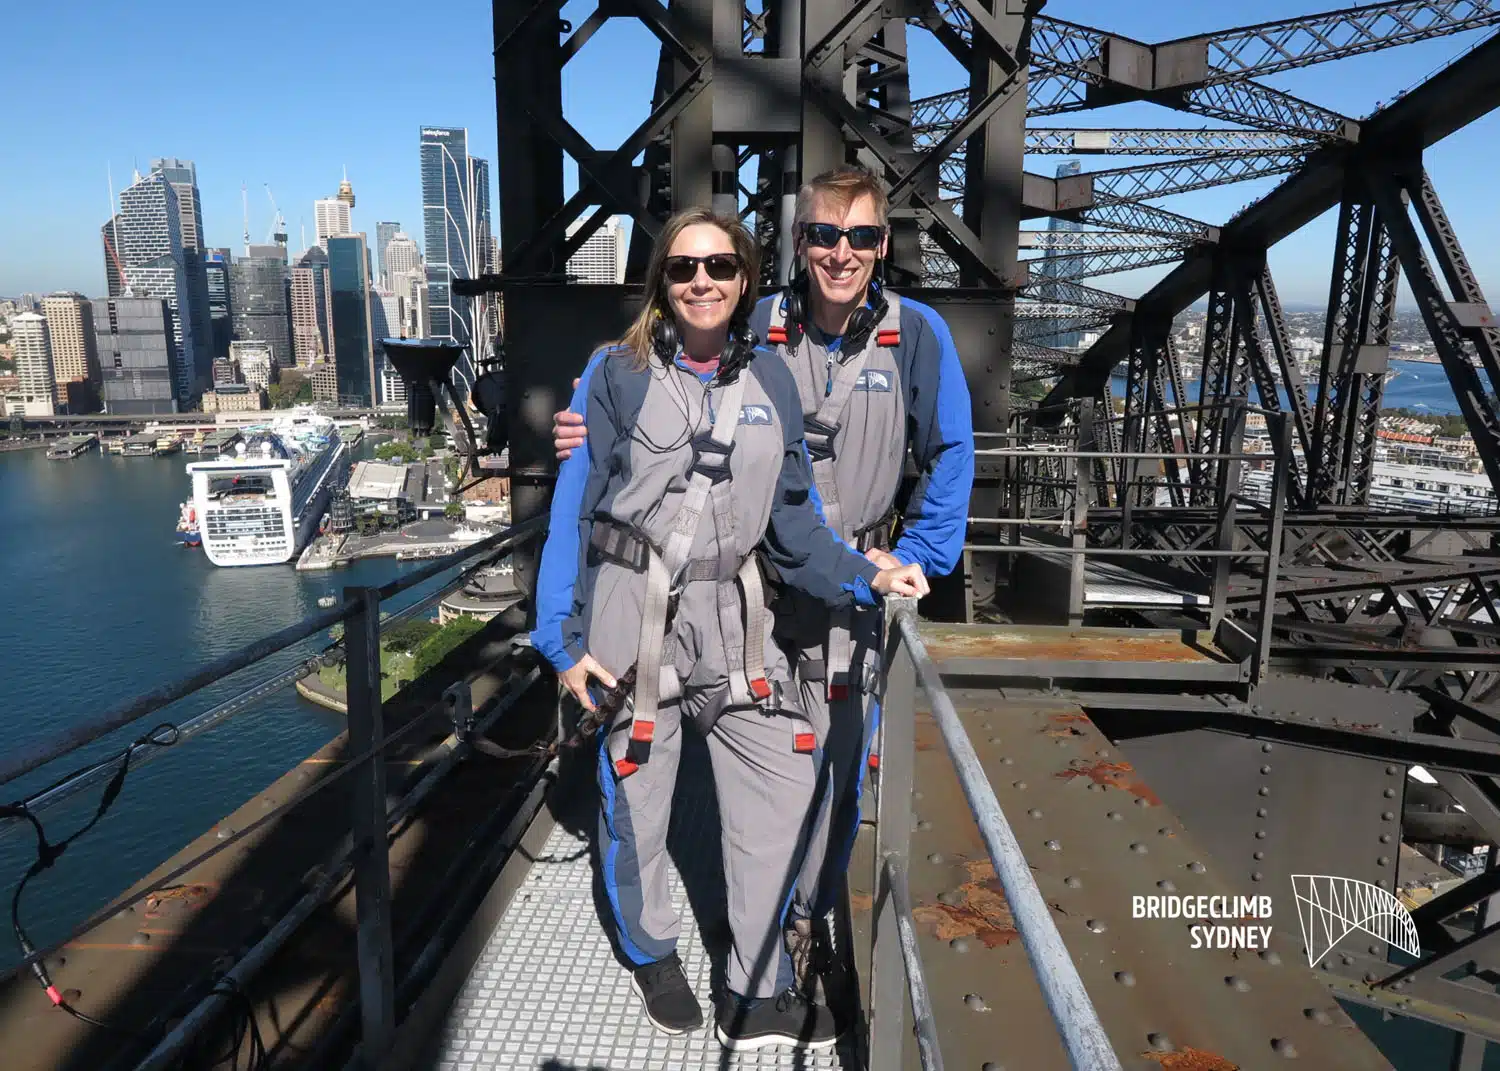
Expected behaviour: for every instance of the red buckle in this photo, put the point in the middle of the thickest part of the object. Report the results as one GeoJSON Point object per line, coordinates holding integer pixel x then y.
{"type": "Point", "coordinates": [776, 335]}
{"type": "Point", "coordinates": [760, 688]}
{"type": "Point", "coordinates": [837, 692]}
{"type": "Point", "coordinates": [805, 743]}
{"type": "Point", "coordinates": [874, 761]}
{"type": "Point", "coordinates": [643, 731]}
{"type": "Point", "coordinates": [624, 767]}
{"type": "Point", "coordinates": [888, 338]}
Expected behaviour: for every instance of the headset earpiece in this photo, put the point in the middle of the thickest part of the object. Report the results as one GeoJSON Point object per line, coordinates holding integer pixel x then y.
{"type": "Point", "coordinates": [664, 337]}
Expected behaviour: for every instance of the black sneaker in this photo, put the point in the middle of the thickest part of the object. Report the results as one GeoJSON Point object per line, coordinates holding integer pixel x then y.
{"type": "Point", "coordinates": [785, 1019]}
{"type": "Point", "coordinates": [666, 996]}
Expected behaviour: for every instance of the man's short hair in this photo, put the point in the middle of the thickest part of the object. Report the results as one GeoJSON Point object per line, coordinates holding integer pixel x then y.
{"type": "Point", "coordinates": [843, 186]}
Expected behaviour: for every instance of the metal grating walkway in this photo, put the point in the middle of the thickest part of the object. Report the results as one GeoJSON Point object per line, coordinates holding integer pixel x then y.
{"type": "Point", "coordinates": [548, 994]}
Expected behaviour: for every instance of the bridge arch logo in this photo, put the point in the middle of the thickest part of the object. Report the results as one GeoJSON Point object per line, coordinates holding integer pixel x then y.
{"type": "Point", "coordinates": [1331, 908]}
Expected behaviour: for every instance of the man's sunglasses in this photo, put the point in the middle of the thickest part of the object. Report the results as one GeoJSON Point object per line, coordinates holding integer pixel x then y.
{"type": "Point", "coordinates": [721, 268]}
{"type": "Point", "coordinates": [826, 235]}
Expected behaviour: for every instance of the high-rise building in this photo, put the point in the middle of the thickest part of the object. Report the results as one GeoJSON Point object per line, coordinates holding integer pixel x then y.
{"type": "Point", "coordinates": [314, 264]}
{"type": "Point", "coordinates": [216, 264]}
{"type": "Point", "coordinates": [258, 301]}
{"type": "Point", "coordinates": [455, 238]}
{"type": "Point", "coordinates": [601, 258]}
{"type": "Point", "coordinates": [148, 232]}
{"type": "Point", "coordinates": [114, 279]}
{"type": "Point", "coordinates": [256, 363]}
{"type": "Point", "coordinates": [138, 355]}
{"type": "Point", "coordinates": [410, 288]}
{"type": "Point", "coordinates": [353, 327]}
{"type": "Point", "coordinates": [37, 396]}
{"type": "Point", "coordinates": [183, 177]}
{"type": "Point", "coordinates": [1064, 340]}
{"type": "Point", "coordinates": [307, 340]}
{"type": "Point", "coordinates": [401, 255]}
{"type": "Point", "coordinates": [330, 217]}
{"type": "Point", "coordinates": [384, 232]}
{"type": "Point", "coordinates": [75, 350]}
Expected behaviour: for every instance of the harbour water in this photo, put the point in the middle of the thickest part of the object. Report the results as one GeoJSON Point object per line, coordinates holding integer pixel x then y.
{"type": "Point", "coordinates": [102, 604]}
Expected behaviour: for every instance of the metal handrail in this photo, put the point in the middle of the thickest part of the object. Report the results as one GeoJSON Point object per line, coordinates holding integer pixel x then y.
{"type": "Point", "coordinates": [1073, 1013]}
{"type": "Point", "coordinates": [925, 1025]}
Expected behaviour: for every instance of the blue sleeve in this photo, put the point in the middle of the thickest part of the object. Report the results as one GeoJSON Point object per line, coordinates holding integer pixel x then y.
{"type": "Point", "coordinates": [557, 635]}
{"type": "Point", "coordinates": [942, 442]}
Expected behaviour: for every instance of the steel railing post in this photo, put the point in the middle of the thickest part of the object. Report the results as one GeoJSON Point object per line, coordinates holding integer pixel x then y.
{"type": "Point", "coordinates": [1082, 492]}
{"type": "Point", "coordinates": [372, 875]}
{"type": "Point", "coordinates": [1281, 446]}
{"type": "Point", "coordinates": [898, 697]}
{"type": "Point", "coordinates": [1228, 492]}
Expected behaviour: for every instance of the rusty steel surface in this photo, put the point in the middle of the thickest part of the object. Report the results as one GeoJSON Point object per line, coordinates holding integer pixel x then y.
{"type": "Point", "coordinates": [159, 956]}
{"type": "Point", "coordinates": [1031, 651]}
{"type": "Point", "coordinates": [1095, 835]}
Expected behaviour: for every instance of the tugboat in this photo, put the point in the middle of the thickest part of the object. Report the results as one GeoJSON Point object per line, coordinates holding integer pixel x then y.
{"type": "Point", "coordinates": [187, 526]}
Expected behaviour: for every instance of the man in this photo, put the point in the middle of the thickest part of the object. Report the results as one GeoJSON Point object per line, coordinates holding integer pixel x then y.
{"type": "Point", "coordinates": [877, 375]}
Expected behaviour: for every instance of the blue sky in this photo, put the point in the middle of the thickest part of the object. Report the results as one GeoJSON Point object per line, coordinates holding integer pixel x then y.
{"type": "Point", "coordinates": [279, 94]}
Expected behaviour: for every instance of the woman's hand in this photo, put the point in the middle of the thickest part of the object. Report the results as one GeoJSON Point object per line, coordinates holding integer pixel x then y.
{"type": "Point", "coordinates": [903, 580]}
{"type": "Point", "coordinates": [577, 680]}
{"type": "Point", "coordinates": [568, 431]}
{"type": "Point", "coordinates": [882, 559]}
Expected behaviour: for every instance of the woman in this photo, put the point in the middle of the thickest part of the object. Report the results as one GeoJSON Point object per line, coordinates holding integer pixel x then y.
{"type": "Point", "coordinates": [695, 466]}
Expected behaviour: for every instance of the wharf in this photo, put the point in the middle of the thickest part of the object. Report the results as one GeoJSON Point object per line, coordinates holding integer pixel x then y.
{"type": "Point", "coordinates": [215, 443]}
{"type": "Point", "coordinates": [435, 538]}
{"type": "Point", "coordinates": [71, 447]}
{"type": "Point", "coordinates": [140, 445]}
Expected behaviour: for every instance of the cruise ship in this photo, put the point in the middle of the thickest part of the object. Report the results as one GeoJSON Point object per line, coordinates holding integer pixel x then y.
{"type": "Point", "coordinates": [262, 503]}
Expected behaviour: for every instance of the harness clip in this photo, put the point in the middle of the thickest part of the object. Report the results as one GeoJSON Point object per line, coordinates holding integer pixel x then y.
{"type": "Point", "coordinates": [712, 458]}
{"type": "Point", "coordinates": [819, 438]}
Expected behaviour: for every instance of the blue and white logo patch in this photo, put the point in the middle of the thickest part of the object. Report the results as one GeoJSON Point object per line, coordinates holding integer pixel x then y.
{"type": "Point", "coordinates": [755, 414]}
{"type": "Point", "coordinates": [873, 379]}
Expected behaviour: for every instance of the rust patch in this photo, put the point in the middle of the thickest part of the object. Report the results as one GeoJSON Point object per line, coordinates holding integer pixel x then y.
{"type": "Point", "coordinates": [1057, 644]}
{"type": "Point", "coordinates": [1061, 732]}
{"type": "Point", "coordinates": [925, 732]}
{"type": "Point", "coordinates": [1190, 1060]}
{"type": "Point", "coordinates": [1111, 775]}
{"type": "Point", "coordinates": [980, 911]}
{"type": "Point", "coordinates": [1068, 717]}
{"type": "Point", "coordinates": [860, 902]}
{"type": "Point", "coordinates": [177, 898]}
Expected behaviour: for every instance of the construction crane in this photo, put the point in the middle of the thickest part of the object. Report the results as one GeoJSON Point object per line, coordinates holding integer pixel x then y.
{"type": "Point", "coordinates": [245, 204]}
{"type": "Point", "coordinates": [278, 224]}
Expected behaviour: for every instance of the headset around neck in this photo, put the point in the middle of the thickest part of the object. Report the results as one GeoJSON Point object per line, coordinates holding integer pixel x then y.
{"type": "Point", "coordinates": [735, 356]}
{"type": "Point", "coordinates": [862, 322]}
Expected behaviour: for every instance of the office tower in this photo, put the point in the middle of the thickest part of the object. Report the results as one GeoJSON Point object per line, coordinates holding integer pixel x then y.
{"type": "Point", "coordinates": [226, 373]}
{"type": "Point", "coordinates": [384, 232]}
{"type": "Point", "coordinates": [386, 322]}
{"type": "Point", "coordinates": [37, 396]}
{"type": "Point", "coordinates": [1063, 340]}
{"type": "Point", "coordinates": [256, 363]}
{"type": "Point", "coordinates": [349, 289]}
{"type": "Point", "coordinates": [148, 233]}
{"type": "Point", "coordinates": [307, 340]}
{"type": "Point", "coordinates": [183, 177]}
{"type": "Point", "coordinates": [455, 231]}
{"type": "Point", "coordinates": [410, 287]}
{"type": "Point", "coordinates": [601, 258]}
{"type": "Point", "coordinates": [221, 325]}
{"type": "Point", "coordinates": [330, 217]}
{"type": "Point", "coordinates": [258, 301]}
{"type": "Point", "coordinates": [401, 255]}
{"type": "Point", "coordinates": [75, 350]}
{"type": "Point", "coordinates": [28, 302]}
{"type": "Point", "coordinates": [315, 259]}
{"type": "Point", "coordinates": [138, 355]}
{"type": "Point", "coordinates": [114, 280]}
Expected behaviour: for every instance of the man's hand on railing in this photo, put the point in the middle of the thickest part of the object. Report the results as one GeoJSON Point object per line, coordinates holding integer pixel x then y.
{"type": "Point", "coordinates": [577, 679]}
{"type": "Point", "coordinates": [902, 580]}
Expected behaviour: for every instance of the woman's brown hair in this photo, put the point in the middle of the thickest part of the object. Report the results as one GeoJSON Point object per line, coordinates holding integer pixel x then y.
{"type": "Point", "coordinates": [637, 340]}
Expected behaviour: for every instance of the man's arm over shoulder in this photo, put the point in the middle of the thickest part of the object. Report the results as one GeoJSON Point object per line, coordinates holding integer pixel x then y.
{"type": "Point", "coordinates": [942, 443]}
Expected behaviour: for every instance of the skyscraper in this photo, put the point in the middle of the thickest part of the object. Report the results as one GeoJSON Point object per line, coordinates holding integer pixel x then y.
{"type": "Point", "coordinates": [401, 255]}
{"type": "Point", "coordinates": [75, 352]}
{"type": "Point", "coordinates": [353, 329]}
{"type": "Point", "coordinates": [114, 279]}
{"type": "Point", "coordinates": [313, 263]}
{"type": "Point", "coordinates": [455, 231]}
{"type": "Point", "coordinates": [601, 259]}
{"type": "Point", "coordinates": [330, 217]}
{"type": "Point", "coordinates": [148, 232]}
{"type": "Point", "coordinates": [1065, 340]}
{"type": "Point", "coordinates": [138, 354]}
{"type": "Point", "coordinates": [258, 300]}
{"type": "Point", "coordinates": [216, 264]}
{"type": "Point", "coordinates": [183, 177]}
{"type": "Point", "coordinates": [410, 287]}
{"type": "Point", "coordinates": [254, 361]}
{"type": "Point", "coordinates": [33, 352]}
{"type": "Point", "coordinates": [384, 232]}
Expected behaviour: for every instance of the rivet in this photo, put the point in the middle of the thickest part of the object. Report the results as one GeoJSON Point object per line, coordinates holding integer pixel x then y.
{"type": "Point", "coordinates": [1021, 785]}
{"type": "Point", "coordinates": [1167, 885]}
{"type": "Point", "coordinates": [1062, 742]}
{"type": "Point", "coordinates": [1257, 876]}
{"type": "Point", "coordinates": [994, 739]}
{"type": "Point", "coordinates": [1054, 846]}
{"type": "Point", "coordinates": [141, 939]}
{"type": "Point", "coordinates": [1159, 1042]}
{"type": "Point", "coordinates": [917, 796]}
{"type": "Point", "coordinates": [1096, 925]}
{"type": "Point", "coordinates": [991, 1065]}
{"type": "Point", "coordinates": [935, 857]}
{"type": "Point", "coordinates": [1265, 769]}
{"type": "Point", "coordinates": [1389, 793]}
{"type": "Point", "coordinates": [959, 944]}
{"type": "Point", "coordinates": [1392, 770]}
{"type": "Point", "coordinates": [226, 833]}
{"type": "Point", "coordinates": [1164, 831]}
{"type": "Point", "coordinates": [1374, 950]}
{"type": "Point", "coordinates": [1138, 848]}
{"type": "Point", "coordinates": [1034, 813]}
{"type": "Point", "coordinates": [1071, 882]}
{"type": "Point", "coordinates": [1125, 978]}
{"type": "Point", "coordinates": [1196, 868]}
{"type": "Point", "coordinates": [975, 1001]}
{"type": "Point", "coordinates": [1265, 747]}
{"type": "Point", "coordinates": [1272, 957]}
{"type": "Point", "coordinates": [1140, 802]}
{"type": "Point", "coordinates": [1263, 791]}
{"type": "Point", "coordinates": [1319, 1016]}
{"type": "Point", "coordinates": [1237, 983]}
{"type": "Point", "coordinates": [985, 725]}
{"type": "Point", "coordinates": [1384, 860]}
{"type": "Point", "coordinates": [1347, 960]}
{"type": "Point", "coordinates": [1381, 883]}
{"type": "Point", "coordinates": [1261, 812]}
{"type": "Point", "coordinates": [1008, 761]}
{"type": "Point", "coordinates": [1102, 753]}
{"type": "Point", "coordinates": [1260, 834]}
{"type": "Point", "coordinates": [924, 825]}
{"type": "Point", "coordinates": [952, 899]}
{"type": "Point", "coordinates": [1257, 856]}
{"type": "Point", "coordinates": [1387, 816]}
{"type": "Point", "coordinates": [1385, 838]}
{"type": "Point", "coordinates": [1114, 816]}
{"type": "Point", "coordinates": [1283, 1047]}
{"type": "Point", "coordinates": [72, 996]}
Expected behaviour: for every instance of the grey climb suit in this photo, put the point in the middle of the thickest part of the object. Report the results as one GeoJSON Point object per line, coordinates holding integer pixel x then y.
{"type": "Point", "coordinates": [904, 389]}
{"type": "Point", "coordinates": [626, 490]}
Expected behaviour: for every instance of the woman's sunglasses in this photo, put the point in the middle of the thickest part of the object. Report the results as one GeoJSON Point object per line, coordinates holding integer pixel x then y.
{"type": "Point", "coordinates": [721, 268]}
{"type": "Point", "coordinates": [826, 235]}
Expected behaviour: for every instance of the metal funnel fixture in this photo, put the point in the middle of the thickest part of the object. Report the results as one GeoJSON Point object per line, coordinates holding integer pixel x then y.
{"type": "Point", "coordinates": [423, 365]}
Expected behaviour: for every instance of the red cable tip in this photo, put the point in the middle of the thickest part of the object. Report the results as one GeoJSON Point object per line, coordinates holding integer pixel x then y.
{"type": "Point", "coordinates": [57, 998]}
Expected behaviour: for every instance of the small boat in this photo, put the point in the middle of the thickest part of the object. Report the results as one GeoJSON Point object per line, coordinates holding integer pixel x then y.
{"type": "Point", "coordinates": [187, 526]}
{"type": "Point", "coordinates": [327, 602]}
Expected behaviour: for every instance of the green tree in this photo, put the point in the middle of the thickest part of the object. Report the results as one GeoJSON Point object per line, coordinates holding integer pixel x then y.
{"type": "Point", "coordinates": [399, 450]}
{"type": "Point", "coordinates": [454, 511]}
{"type": "Point", "coordinates": [409, 635]}
{"type": "Point", "coordinates": [438, 646]}
{"type": "Point", "coordinates": [294, 388]}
